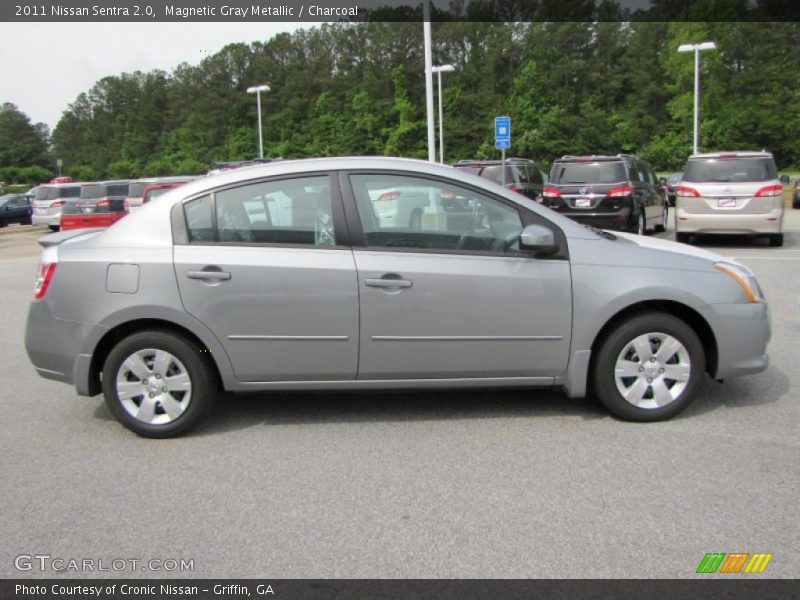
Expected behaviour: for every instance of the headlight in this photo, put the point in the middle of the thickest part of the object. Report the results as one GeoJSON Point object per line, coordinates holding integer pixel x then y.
{"type": "Point", "coordinates": [745, 278]}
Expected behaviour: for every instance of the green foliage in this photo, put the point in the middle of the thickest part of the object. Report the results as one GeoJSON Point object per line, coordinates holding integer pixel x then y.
{"type": "Point", "coordinates": [577, 87]}
{"type": "Point", "coordinates": [82, 173]}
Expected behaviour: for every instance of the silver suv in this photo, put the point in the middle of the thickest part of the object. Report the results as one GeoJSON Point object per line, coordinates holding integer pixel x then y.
{"type": "Point", "coordinates": [730, 192]}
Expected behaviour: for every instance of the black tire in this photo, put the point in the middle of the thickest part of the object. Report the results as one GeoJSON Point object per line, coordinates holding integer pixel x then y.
{"type": "Point", "coordinates": [619, 339]}
{"type": "Point", "coordinates": [54, 227]}
{"type": "Point", "coordinates": [639, 224]}
{"type": "Point", "coordinates": [776, 239]}
{"type": "Point", "coordinates": [683, 238]}
{"type": "Point", "coordinates": [3, 224]}
{"type": "Point", "coordinates": [661, 227]}
{"type": "Point", "coordinates": [201, 373]}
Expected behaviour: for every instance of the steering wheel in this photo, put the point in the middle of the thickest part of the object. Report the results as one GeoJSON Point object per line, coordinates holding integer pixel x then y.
{"type": "Point", "coordinates": [504, 244]}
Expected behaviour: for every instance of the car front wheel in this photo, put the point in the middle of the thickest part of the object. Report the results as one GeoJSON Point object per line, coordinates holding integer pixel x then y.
{"type": "Point", "coordinates": [649, 367]}
{"type": "Point", "coordinates": [158, 384]}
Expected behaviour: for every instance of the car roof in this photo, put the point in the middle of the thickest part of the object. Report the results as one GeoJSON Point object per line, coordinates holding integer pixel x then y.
{"type": "Point", "coordinates": [493, 162]}
{"type": "Point", "coordinates": [732, 154]}
{"type": "Point", "coordinates": [596, 158]}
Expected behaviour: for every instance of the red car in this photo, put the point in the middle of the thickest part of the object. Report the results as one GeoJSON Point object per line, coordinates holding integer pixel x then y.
{"type": "Point", "coordinates": [103, 214]}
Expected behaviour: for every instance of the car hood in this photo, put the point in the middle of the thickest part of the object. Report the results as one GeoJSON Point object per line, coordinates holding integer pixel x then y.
{"type": "Point", "coordinates": [669, 246]}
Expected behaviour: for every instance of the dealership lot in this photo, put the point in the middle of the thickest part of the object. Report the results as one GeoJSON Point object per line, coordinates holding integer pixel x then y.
{"type": "Point", "coordinates": [462, 484]}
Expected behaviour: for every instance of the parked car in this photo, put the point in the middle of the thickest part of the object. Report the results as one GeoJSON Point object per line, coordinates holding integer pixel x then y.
{"type": "Point", "coordinates": [103, 214]}
{"type": "Point", "coordinates": [522, 175]}
{"type": "Point", "coordinates": [154, 190]}
{"type": "Point", "coordinates": [671, 181]}
{"type": "Point", "coordinates": [15, 208]}
{"type": "Point", "coordinates": [730, 193]}
{"type": "Point", "coordinates": [49, 200]}
{"type": "Point", "coordinates": [92, 194]}
{"type": "Point", "coordinates": [613, 192]}
{"type": "Point", "coordinates": [225, 292]}
{"type": "Point", "coordinates": [137, 187]}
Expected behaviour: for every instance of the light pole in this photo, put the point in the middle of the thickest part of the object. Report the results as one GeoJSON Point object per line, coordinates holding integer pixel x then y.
{"type": "Point", "coordinates": [257, 89]}
{"type": "Point", "coordinates": [439, 70]}
{"type": "Point", "coordinates": [426, 42]}
{"type": "Point", "coordinates": [696, 48]}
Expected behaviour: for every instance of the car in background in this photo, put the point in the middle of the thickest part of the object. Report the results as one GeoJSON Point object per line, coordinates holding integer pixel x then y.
{"type": "Point", "coordinates": [92, 194]}
{"type": "Point", "coordinates": [15, 208]}
{"type": "Point", "coordinates": [613, 192]}
{"type": "Point", "coordinates": [669, 186]}
{"type": "Point", "coordinates": [221, 166]}
{"type": "Point", "coordinates": [522, 175]}
{"type": "Point", "coordinates": [209, 289]}
{"type": "Point", "coordinates": [154, 190]}
{"type": "Point", "coordinates": [137, 187]}
{"type": "Point", "coordinates": [103, 214]}
{"type": "Point", "coordinates": [796, 194]}
{"type": "Point", "coordinates": [62, 179]}
{"type": "Point", "coordinates": [730, 193]}
{"type": "Point", "coordinates": [49, 200]}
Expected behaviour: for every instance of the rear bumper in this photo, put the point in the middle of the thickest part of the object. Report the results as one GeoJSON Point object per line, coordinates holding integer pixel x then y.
{"type": "Point", "coordinates": [54, 347]}
{"type": "Point", "coordinates": [733, 223]}
{"type": "Point", "coordinates": [49, 220]}
{"type": "Point", "coordinates": [619, 220]}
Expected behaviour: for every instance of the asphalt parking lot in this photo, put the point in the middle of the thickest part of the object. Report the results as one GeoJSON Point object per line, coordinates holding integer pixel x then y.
{"type": "Point", "coordinates": [408, 485]}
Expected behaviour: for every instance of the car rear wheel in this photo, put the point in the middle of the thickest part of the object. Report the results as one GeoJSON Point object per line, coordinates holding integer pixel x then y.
{"type": "Point", "coordinates": [641, 224]}
{"type": "Point", "coordinates": [776, 239]}
{"type": "Point", "coordinates": [158, 384]}
{"type": "Point", "coordinates": [54, 227]}
{"type": "Point", "coordinates": [649, 368]}
{"type": "Point", "coordinates": [683, 238]}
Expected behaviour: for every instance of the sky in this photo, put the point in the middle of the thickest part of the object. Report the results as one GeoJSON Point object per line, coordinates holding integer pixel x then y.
{"type": "Point", "coordinates": [44, 66]}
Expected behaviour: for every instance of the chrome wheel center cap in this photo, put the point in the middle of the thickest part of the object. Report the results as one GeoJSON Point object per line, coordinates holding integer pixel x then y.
{"type": "Point", "coordinates": [153, 386]}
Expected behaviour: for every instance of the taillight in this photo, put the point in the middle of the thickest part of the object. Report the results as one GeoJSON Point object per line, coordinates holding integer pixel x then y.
{"type": "Point", "coordinates": [515, 188]}
{"type": "Point", "coordinates": [618, 192]}
{"type": "Point", "coordinates": [103, 202]}
{"type": "Point", "coordinates": [685, 190]}
{"type": "Point", "coordinates": [449, 195]}
{"type": "Point", "coordinates": [551, 192]}
{"type": "Point", "coordinates": [43, 279]}
{"type": "Point", "coordinates": [57, 203]}
{"type": "Point", "coordinates": [388, 196]}
{"type": "Point", "coordinates": [770, 190]}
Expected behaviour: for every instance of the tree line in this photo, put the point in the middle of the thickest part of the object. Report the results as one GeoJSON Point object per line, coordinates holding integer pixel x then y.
{"type": "Point", "coordinates": [358, 89]}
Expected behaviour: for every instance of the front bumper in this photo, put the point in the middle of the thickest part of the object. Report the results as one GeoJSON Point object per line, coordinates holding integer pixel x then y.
{"type": "Point", "coordinates": [743, 332]}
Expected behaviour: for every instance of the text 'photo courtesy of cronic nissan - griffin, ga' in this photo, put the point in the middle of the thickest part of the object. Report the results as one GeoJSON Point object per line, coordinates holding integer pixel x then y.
{"type": "Point", "coordinates": [381, 273]}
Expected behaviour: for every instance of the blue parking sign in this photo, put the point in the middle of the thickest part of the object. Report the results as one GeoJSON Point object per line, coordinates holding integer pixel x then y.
{"type": "Point", "coordinates": [502, 129]}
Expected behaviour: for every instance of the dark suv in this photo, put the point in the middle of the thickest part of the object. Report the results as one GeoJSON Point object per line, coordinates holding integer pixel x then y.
{"type": "Point", "coordinates": [613, 192]}
{"type": "Point", "coordinates": [523, 175]}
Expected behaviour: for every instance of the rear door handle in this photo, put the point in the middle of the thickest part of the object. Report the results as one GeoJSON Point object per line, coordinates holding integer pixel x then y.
{"type": "Point", "coordinates": [209, 275]}
{"type": "Point", "coordinates": [388, 281]}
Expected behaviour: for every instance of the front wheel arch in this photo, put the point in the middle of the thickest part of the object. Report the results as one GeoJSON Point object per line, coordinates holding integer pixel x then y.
{"type": "Point", "coordinates": [687, 314]}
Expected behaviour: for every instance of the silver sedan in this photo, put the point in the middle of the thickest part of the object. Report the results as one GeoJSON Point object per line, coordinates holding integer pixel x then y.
{"type": "Point", "coordinates": [285, 276]}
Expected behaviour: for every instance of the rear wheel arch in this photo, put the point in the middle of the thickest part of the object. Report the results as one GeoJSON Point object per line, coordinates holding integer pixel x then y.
{"type": "Point", "coordinates": [116, 334]}
{"type": "Point", "coordinates": [683, 312]}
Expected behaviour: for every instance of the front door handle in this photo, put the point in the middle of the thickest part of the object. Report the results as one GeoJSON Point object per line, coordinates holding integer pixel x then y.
{"type": "Point", "coordinates": [390, 280]}
{"type": "Point", "coordinates": [207, 275]}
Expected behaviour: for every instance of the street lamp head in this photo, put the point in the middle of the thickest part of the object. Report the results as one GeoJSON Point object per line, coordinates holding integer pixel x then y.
{"type": "Point", "coordinates": [253, 89]}
{"type": "Point", "coordinates": [692, 47]}
{"type": "Point", "coordinates": [443, 69]}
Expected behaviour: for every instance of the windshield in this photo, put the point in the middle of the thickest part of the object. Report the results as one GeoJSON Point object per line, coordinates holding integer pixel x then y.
{"type": "Point", "coordinates": [4, 199]}
{"type": "Point", "coordinates": [588, 172]}
{"type": "Point", "coordinates": [728, 170]}
{"type": "Point", "coordinates": [674, 177]}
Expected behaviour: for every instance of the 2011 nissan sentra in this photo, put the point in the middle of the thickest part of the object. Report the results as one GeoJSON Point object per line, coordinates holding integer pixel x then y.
{"type": "Point", "coordinates": [284, 277]}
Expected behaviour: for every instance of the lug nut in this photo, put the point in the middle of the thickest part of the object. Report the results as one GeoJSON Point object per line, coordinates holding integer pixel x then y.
{"type": "Point", "coordinates": [641, 369]}
{"type": "Point", "coordinates": [661, 370]}
{"type": "Point", "coordinates": [144, 381]}
{"type": "Point", "coordinates": [152, 395]}
{"type": "Point", "coordinates": [652, 359]}
{"type": "Point", "coordinates": [158, 376]}
{"type": "Point", "coordinates": [164, 390]}
{"type": "Point", "coordinates": [649, 380]}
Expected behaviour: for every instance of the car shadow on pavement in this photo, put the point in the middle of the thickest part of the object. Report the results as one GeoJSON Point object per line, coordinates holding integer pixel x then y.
{"type": "Point", "coordinates": [740, 392]}
{"type": "Point", "coordinates": [240, 411]}
{"type": "Point", "coordinates": [739, 242]}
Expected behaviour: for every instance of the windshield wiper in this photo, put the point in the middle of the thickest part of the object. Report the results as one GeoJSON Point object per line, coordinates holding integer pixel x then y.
{"type": "Point", "coordinates": [601, 232]}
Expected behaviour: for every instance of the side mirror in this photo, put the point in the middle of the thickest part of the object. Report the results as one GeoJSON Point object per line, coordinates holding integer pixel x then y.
{"type": "Point", "coordinates": [538, 239]}
{"type": "Point", "coordinates": [785, 179]}
{"type": "Point", "coordinates": [662, 180]}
